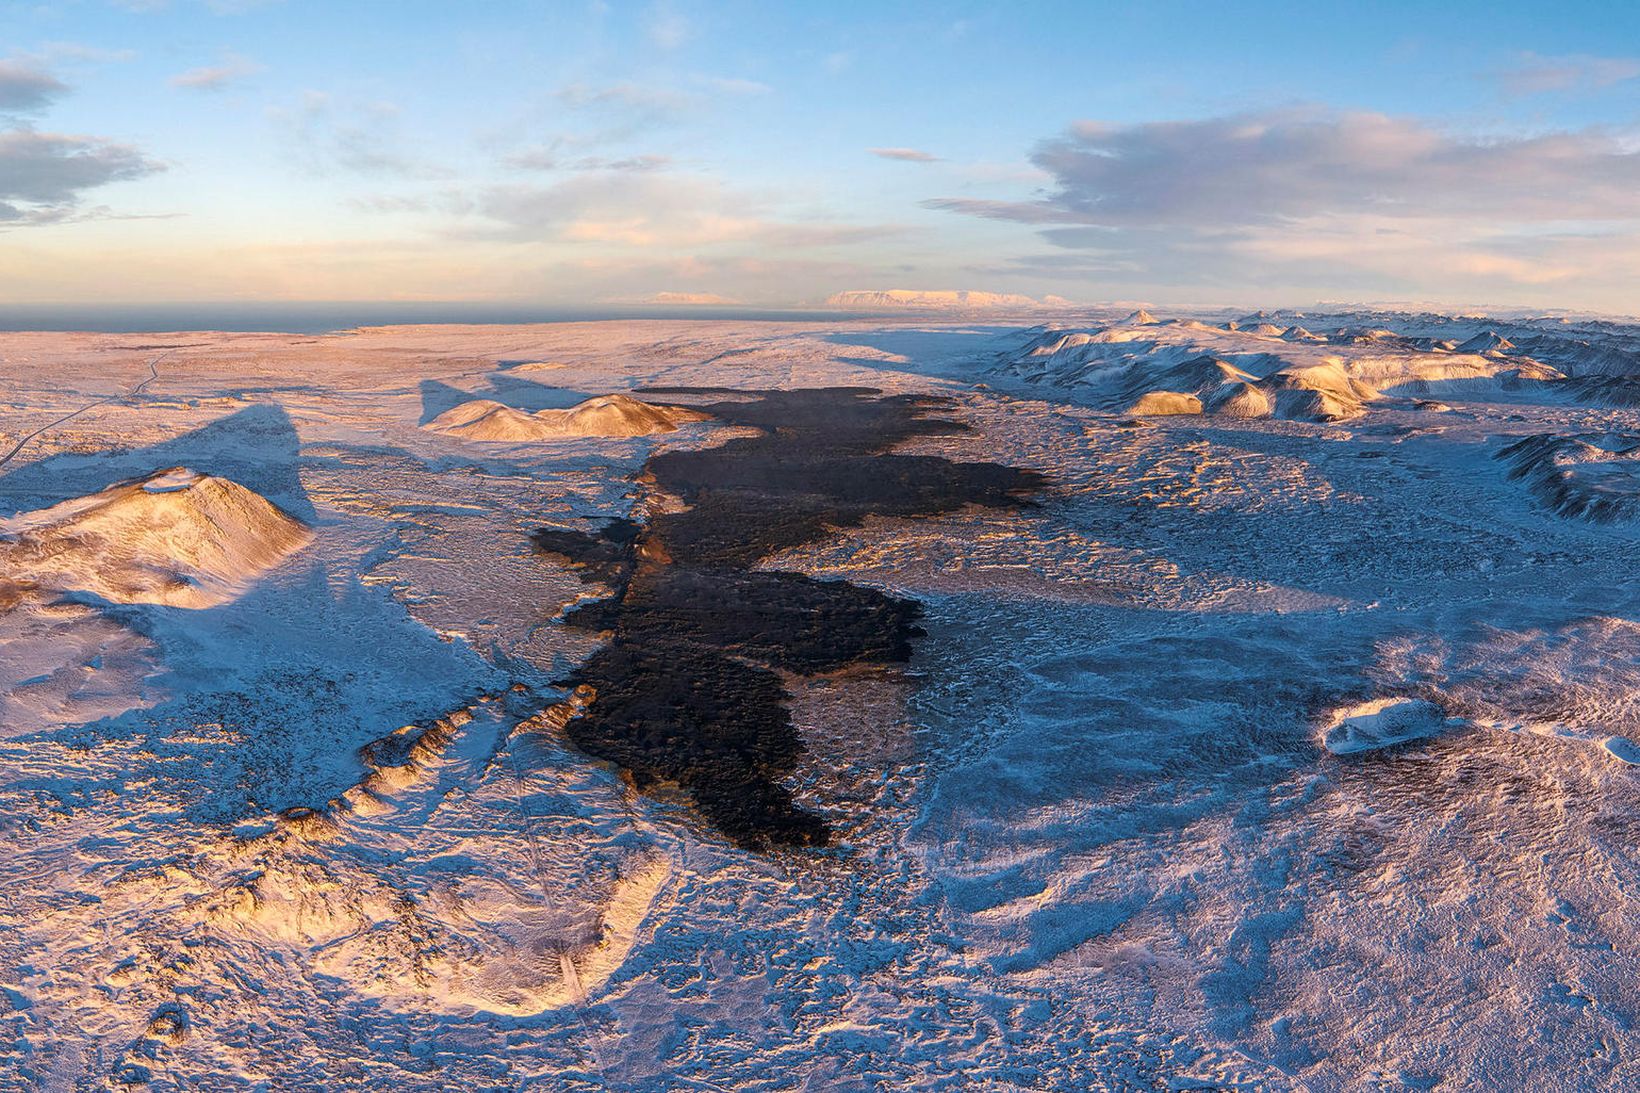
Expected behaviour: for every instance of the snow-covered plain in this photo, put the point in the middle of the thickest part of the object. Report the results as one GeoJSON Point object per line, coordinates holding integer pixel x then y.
{"type": "Point", "coordinates": [1286, 742]}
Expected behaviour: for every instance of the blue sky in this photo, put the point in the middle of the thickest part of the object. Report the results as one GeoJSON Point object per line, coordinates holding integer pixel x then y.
{"type": "Point", "coordinates": [585, 153]}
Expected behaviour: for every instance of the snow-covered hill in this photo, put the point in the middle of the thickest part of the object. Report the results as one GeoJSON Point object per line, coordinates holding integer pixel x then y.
{"type": "Point", "coordinates": [618, 416]}
{"type": "Point", "coordinates": [173, 537]}
{"type": "Point", "coordinates": [1256, 368]}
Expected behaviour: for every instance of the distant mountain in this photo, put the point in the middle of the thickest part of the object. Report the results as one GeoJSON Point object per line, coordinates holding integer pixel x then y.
{"type": "Point", "coordinates": [895, 299]}
{"type": "Point", "coordinates": [702, 298]}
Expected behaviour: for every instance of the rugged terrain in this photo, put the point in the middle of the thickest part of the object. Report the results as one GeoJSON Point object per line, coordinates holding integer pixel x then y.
{"type": "Point", "coordinates": [1202, 701]}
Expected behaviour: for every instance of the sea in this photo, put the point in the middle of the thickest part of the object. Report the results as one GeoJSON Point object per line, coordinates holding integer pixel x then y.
{"type": "Point", "coordinates": [321, 318]}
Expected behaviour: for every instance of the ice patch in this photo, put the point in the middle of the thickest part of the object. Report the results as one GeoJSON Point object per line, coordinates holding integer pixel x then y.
{"type": "Point", "coordinates": [1623, 750]}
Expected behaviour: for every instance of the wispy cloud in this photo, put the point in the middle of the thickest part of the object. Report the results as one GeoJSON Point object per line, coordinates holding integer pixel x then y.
{"type": "Point", "coordinates": [579, 118]}
{"type": "Point", "coordinates": [628, 96]}
{"type": "Point", "coordinates": [639, 209]}
{"type": "Point", "coordinates": [217, 77]}
{"type": "Point", "coordinates": [731, 85]}
{"type": "Point", "coordinates": [329, 134]}
{"type": "Point", "coordinates": [542, 159]}
{"type": "Point", "coordinates": [666, 27]}
{"type": "Point", "coordinates": [627, 163]}
{"type": "Point", "coordinates": [907, 155]}
{"type": "Point", "coordinates": [533, 159]}
{"type": "Point", "coordinates": [53, 52]}
{"type": "Point", "coordinates": [611, 113]}
{"type": "Point", "coordinates": [1536, 74]}
{"type": "Point", "coordinates": [216, 7]}
{"type": "Point", "coordinates": [633, 204]}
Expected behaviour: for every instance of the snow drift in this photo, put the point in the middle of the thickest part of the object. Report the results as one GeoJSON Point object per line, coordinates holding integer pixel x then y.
{"type": "Point", "coordinates": [605, 416]}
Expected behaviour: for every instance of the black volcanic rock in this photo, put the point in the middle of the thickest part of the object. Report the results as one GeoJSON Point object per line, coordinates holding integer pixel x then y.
{"type": "Point", "coordinates": [687, 690]}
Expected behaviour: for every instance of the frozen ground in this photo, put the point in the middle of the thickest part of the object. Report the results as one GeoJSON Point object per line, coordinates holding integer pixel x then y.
{"type": "Point", "coordinates": [1287, 742]}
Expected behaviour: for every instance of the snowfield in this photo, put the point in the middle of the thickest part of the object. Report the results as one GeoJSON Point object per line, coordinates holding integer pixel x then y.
{"type": "Point", "coordinates": [1287, 739]}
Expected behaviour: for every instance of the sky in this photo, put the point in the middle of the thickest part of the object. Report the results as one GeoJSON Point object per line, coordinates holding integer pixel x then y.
{"type": "Point", "coordinates": [769, 155]}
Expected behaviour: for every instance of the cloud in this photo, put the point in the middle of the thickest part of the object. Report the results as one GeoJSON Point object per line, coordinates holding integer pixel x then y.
{"type": "Point", "coordinates": [216, 77]}
{"type": "Point", "coordinates": [1349, 201]}
{"type": "Point", "coordinates": [730, 85]}
{"type": "Point", "coordinates": [1259, 168]}
{"type": "Point", "coordinates": [908, 155]}
{"type": "Point", "coordinates": [1536, 74]}
{"type": "Point", "coordinates": [533, 159]}
{"type": "Point", "coordinates": [665, 27]}
{"type": "Point", "coordinates": [44, 176]}
{"type": "Point", "coordinates": [25, 87]}
{"type": "Point", "coordinates": [629, 163]}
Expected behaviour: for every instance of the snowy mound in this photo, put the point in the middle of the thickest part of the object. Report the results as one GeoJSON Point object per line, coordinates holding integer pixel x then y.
{"type": "Point", "coordinates": [1376, 337]}
{"type": "Point", "coordinates": [1592, 477]}
{"type": "Point", "coordinates": [604, 416]}
{"type": "Point", "coordinates": [1487, 341]}
{"type": "Point", "coordinates": [176, 537]}
{"type": "Point", "coordinates": [1165, 403]}
{"type": "Point", "coordinates": [1381, 723]}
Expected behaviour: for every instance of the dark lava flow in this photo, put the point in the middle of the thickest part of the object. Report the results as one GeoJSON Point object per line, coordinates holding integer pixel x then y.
{"type": "Point", "coordinates": [687, 689]}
